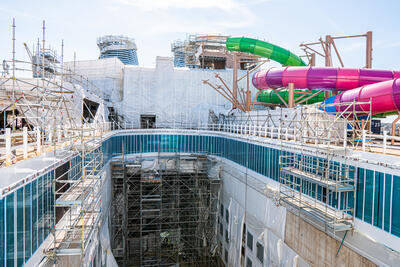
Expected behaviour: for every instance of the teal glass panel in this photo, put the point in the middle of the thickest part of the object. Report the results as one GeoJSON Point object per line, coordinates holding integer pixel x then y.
{"type": "Point", "coordinates": [388, 192]}
{"type": "Point", "coordinates": [369, 190]}
{"type": "Point", "coordinates": [28, 230]}
{"type": "Point", "coordinates": [395, 207]}
{"type": "Point", "coordinates": [378, 199]}
{"type": "Point", "coordinates": [2, 232]}
{"type": "Point", "coordinates": [360, 193]}
{"type": "Point", "coordinates": [10, 249]}
{"type": "Point", "coordinates": [34, 216]}
{"type": "Point", "coordinates": [20, 227]}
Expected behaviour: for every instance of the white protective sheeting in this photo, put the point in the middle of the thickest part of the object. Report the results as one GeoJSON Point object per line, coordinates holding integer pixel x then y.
{"type": "Point", "coordinates": [106, 74]}
{"type": "Point", "coordinates": [235, 230]}
{"type": "Point", "coordinates": [107, 258]}
{"type": "Point", "coordinates": [175, 95]}
{"type": "Point", "coordinates": [264, 219]}
{"type": "Point", "coordinates": [278, 254]}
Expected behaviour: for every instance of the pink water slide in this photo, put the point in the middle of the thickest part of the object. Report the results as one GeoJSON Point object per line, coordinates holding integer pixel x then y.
{"type": "Point", "coordinates": [381, 87]}
{"type": "Point", "coordinates": [324, 78]}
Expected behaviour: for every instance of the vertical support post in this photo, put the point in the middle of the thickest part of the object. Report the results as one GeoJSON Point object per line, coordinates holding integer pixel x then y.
{"type": "Point", "coordinates": [394, 126]}
{"type": "Point", "coordinates": [363, 139]}
{"type": "Point", "coordinates": [368, 63]}
{"type": "Point", "coordinates": [384, 141]}
{"type": "Point", "coordinates": [235, 69]}
{"type": "Point", "coordinates": [38, 141]}
{"type": "Point", "coordinates": [25, 142]}
{"type": "Point", "coordinates": [312, 60]}
{"type": "Point", "coordinates": [59, 134]}
{"type": "Point", "coordinates": [248, 100]}
{"type": "Point", "coordinates": [291, 95]}
{"type": "Point", "coordinates": [8, 146]}
{"type": "Point", "coordinates": [345, 135]}
{"type": "Point", "coordinates": [328, 57]}
{"type": "Point", "coordinates": [279, 132]}
{"type": "Point", "coordinates": [13, 74]}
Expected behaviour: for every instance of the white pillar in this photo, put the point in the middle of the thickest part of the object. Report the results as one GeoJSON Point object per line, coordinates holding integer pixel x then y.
{"type": "Point", "coordinates": [8, 146]}
{"type": "Point", "coordinates": [59, 135]}
{"type": "Point", "coordinates": [37, 141]}
{"type": "Point", "coordinates": [279, 132]}
{"type": "Point", "coordinates": [363, 139]}
{"type": "Point", "coordinates": [25, 142]}
{"type": "Point", "coordinates": [384, 141]}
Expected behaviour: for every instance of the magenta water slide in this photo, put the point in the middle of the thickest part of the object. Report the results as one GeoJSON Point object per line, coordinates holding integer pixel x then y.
{"type": "Point", "coordinates": [324, 78]}
{"type": "Point", "coordinates": [378, 98]}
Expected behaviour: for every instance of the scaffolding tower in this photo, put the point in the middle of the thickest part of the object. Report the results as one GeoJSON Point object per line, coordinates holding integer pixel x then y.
{"type": "Point", "coordinates": [165, 215]}
{"type": "Point", "coordinates": [312, 180]}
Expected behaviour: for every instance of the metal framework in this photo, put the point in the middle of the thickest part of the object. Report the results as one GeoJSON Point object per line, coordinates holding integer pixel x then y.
{"type": "Point", "coordinates": [165, 215]}
{"type": "Point", "coordinates": [43, 105]}
{"type": "Point", "coordinates": [327, 45]}
{"type": "Point", "coordinates": [312, 180]}
{"type": "Point", "coordinates": [44, 108]}
{"type": "Point", "coordinates": [77, 197]}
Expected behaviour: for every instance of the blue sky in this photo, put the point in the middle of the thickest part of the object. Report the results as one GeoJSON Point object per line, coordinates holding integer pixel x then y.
{"type": "Point", "coordinates": [156, 23]}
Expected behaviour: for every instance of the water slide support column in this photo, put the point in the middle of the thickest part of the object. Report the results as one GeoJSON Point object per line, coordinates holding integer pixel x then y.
{"type": "Point", "coordinates": [291, 95]}
{"type": "Point", "coordinates": [394, 126]}
{"type": "Point", "coordinates": [234, 85]}
{"type": "Point", "coordinates": [368, 57]}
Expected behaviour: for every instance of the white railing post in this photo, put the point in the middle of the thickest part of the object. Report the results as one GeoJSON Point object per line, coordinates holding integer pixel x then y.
{"type": "Point", "coordinates": [37, 140]}
{"type": "Point", "coordinates": [59, 134]}
{"type": "Point", "coordinates": [265, 131]}
{"type": "Point", "coordinates": [287, 134]}
{"type": "Point", "coordinates": [363, 139]}
{"type": "Point", "coordinates": [279, 132]}
{"type": "Point", "coordinates": [272, 131]}
{"type": "Point", "coordinates": [345, 136]}
{"type": "Point", "coordinates": [384, 141]}
{"type": "Point", "coordinates": [8, 146]}
{"type": "Point", "coordinates": [25, 142]}
{"type": "Point", "coordinates": [50, 136]}
{"type": "Point", "coordinates": [329, 137]}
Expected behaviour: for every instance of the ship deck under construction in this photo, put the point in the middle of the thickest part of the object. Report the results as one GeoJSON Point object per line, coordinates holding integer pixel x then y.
{"type": "Point", "coordinates": [208, 158]}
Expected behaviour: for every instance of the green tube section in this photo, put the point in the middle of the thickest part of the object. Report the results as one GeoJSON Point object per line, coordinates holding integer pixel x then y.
{"type": "Point", "coordinates": [263, 49]}
{"type": "Point", "coordinates": [268, 96]}
{"type": "Point", "coordinates": [275, 53]}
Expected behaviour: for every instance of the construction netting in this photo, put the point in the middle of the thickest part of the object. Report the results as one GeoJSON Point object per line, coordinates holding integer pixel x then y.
{"type": "Point", "coordinates": [175, 96]}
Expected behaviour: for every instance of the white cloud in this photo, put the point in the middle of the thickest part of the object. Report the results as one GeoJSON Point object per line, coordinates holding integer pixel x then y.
{"type": "Point", "coordinates": [210, 16]}
{"type": "Point", "coordinates": [185, 4]}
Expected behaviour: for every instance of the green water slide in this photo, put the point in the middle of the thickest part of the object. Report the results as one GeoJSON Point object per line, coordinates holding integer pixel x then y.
{"type": "Point", "coordinates": [264, 49]}
{"type": "Point", "coordinates": [268, 96]}
{"type": "Point", "coordinates": [275, 53]}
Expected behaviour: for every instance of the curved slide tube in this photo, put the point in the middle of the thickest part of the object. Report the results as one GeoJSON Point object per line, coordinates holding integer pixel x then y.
{"type": "Point", "coordinates": [263, 49]}
{"type": "Point", "coordinates": [384, 96]}
{"type": "Point", "coordinates": [269, 96]}
{"type": "Point", "coordinates": [325, 78]}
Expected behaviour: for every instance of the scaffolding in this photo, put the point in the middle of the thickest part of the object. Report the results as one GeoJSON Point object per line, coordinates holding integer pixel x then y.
{"type": "Point", "coordinates": [44, 106]}
{"type": "Point", "coordinates": [49, 110]}
{"type": "Point", "coordinates": [207, 52]}
{"type": "Point", "coordinates": [312, 179]}
{"type": "Point", "coordinates": [164, 215]}
{"type": "Point", "coordinates": [77, 204]}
